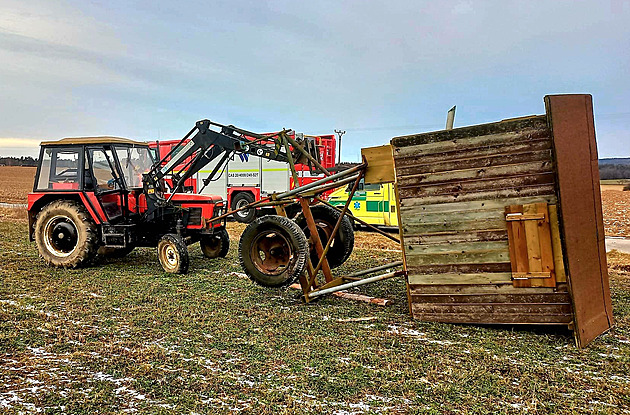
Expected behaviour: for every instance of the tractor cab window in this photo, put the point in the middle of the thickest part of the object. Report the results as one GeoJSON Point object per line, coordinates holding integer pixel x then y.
{"type": "Point", "coordinates": [134, 161]}
{"type": "Point", "coordinates": [59, 169]}
{"type": "Point", "coordinates": [103, 170]}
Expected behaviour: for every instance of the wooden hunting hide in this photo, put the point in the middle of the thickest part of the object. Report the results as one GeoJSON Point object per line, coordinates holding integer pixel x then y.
{"type": "Point", "coordinates": [501, 223]}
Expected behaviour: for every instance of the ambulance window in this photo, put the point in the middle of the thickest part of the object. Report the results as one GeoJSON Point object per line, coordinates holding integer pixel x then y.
{"type": "Point", "coordinates": [372, 187]}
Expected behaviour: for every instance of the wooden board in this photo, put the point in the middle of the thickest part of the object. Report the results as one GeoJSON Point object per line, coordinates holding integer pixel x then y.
{"type": "Point", "coordinates": [571, 120]}
{"type": "Point", "coordinates": [380, 164]}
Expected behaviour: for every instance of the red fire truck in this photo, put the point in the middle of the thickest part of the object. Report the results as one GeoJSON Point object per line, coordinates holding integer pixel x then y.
{"type": "Point", "coordinates": [247, 178]}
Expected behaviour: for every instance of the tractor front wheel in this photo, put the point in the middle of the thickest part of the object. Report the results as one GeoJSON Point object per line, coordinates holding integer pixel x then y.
{"type": "Point", "coordinates": [215, 245]}
{"type": "Point", "coordinates": [65, 234]}
{"type": "Point", "coordinates": [273, 251]}
{"type": "Point", "coordinates": [173, 254]}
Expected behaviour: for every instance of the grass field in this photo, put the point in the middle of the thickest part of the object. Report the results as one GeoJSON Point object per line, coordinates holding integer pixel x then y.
{"type": "Point", "coordinates": [125, 337]}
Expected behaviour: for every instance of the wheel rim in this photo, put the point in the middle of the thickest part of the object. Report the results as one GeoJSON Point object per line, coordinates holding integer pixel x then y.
{"type": "Point", "coordinates": [241, 204]}
{"type": "Point", "coordinates": [324, 231]}
{"type": "Point", "coordinates": [61, 236]}
{"type": "Point", "coordinates": [170, 256]}
{"type": "Point", "coordinates": [212, 244]}
{"type": "Point", "coordinates": [271, 253]}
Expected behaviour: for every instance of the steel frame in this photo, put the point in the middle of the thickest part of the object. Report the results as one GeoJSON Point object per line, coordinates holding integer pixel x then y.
{"type": "Point", "coordinates": [308, 195]}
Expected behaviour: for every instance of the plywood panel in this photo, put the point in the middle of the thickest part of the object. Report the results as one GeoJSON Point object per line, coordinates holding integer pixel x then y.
{"type": "Point", "coordinates": [571, 120]}
{"type": "Point", "coordinates": [380, 163]}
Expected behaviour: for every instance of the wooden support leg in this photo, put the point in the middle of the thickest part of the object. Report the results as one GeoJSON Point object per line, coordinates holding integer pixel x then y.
{"type": "Point", "coordinates": [319, 248]}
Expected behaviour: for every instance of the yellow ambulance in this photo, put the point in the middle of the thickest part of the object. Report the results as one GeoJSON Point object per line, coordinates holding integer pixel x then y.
{"type": "Point", "coordinates": [373, 203]}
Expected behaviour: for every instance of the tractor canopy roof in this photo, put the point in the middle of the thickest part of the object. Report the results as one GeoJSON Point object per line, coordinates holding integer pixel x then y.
{"type": "Point", "coordinates": [94, 140]}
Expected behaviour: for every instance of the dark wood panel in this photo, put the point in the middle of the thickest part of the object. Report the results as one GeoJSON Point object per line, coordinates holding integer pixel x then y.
{"type": "Point", "coordinates": [496, 142]}
{"type": "Point", "coordinates": [453, 176]}
{"type": "Point", "coordinates": [459, 268]}
{"type": "Point", "coordinates": [507, 126]}
{"type": "Point", "coordinates": [484, 289]}
{"type": "Point", "coordinates": [494, 318]}
{"type": "Point", "coordinates": [480, 161]}
{"type": "Point", "coordinates": [494, 308]}
{"type": "Point", "coordinates": [476, 185]}
{"type": "Point", "coordinates": [498, 205]}
{"type": "Point", "coordinates": [449, 226]}
{"type": "Point", "coordinates": [524, 191]}
{"type": "Point", "coordinates": [474, 257]}
{"type": "Point", "coordinates": [455, 237]}
{"type": "Point", "coordinates": [552, 298]}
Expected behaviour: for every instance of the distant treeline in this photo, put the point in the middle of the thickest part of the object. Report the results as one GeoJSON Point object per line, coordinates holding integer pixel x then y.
{"type": "Point", "coordinates": [18, 161]}
{"type": "Point", "coordinates": [614, 171]}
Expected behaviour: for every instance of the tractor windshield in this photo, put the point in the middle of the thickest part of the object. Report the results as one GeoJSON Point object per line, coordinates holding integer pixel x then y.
{"type": "Point", "coordinates": [134, 161]}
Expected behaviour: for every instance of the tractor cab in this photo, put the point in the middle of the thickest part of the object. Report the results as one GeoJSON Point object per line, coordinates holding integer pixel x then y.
{"type": "Point", "coordinates": [105, 172]}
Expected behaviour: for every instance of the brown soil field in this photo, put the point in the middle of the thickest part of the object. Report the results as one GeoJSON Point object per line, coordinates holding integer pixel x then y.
{"type": "Point", "coordinates": [616, 209]}
{"type": "Point", "coordinates": [17, 182]}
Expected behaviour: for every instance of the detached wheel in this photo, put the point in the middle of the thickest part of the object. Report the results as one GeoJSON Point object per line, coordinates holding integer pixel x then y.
{"type": "Point", "coordinates": [173, 254]}
{"type": "Point", "coordinates": [243, 199]}
{"type": "Point", "coordinates": [325, 219]}
{"type": "Point", "coordinates": [215, 245]}
{"type": "Point", "coordinates": [272, 251]}
{"type": "Point", "coordinates": [65, 234]}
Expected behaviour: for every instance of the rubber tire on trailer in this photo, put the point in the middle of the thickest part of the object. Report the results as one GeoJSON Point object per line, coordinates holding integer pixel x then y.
{"type": "Point", "coordinates": [65, 234]}
{"type": "Point", "coordinates": [173, 254]}
{"type": "Point", "coordinates": [107, 252]}
{"type": "Point", "coordinates": [282, 241]}
{"type": "Point", "coordinates": [215, 245]}
{"type": "Point", "coordinates": [243, 199]}
{"type": "Point", "coordinates": [325, 219]}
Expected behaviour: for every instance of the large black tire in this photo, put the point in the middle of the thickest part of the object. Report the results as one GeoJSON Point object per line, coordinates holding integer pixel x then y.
{"type": "Point", "coordinates": [243, 199]}
{"type": "Point", "coordinates": [325, 219]}
{"type": "Point", "coordinates": [107, 252]}
{"type": "Point", "coordinates": [215, 245]}
{"type": "Point", "coordinates": [173, 254]}
{"type": "Point", "coordinates": [65, 234]}
{"type": "Point", "coordinates": [273, 251]}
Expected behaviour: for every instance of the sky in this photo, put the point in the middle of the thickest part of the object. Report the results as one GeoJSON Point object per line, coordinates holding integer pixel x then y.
{"type": "Point", "coordinates": [149, 70]}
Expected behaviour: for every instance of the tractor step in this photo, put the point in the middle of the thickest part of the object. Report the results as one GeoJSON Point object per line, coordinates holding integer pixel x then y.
{"type": "Point", "coordinates": [118, 236]}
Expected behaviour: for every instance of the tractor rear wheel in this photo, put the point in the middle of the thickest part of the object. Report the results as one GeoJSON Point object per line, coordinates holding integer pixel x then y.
{"type": "Point", "coordinates": [216, 244]}
{"type": "Point", "coordinates": [272, 251]}
{"type": "Point", "coordinates": [65, 234]}
{"type": "Point", "coordinates": [173, 254]}
{"type": "Point", "coordinates": [325, 220]}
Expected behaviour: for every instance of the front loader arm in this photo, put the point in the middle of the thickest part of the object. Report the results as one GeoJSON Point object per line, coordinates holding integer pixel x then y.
{"type": "Point", "coordinates": [202, 145]}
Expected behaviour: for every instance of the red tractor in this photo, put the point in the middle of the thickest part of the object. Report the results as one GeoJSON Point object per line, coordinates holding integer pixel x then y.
{"type": "Point", "coordinates": [107, 195]}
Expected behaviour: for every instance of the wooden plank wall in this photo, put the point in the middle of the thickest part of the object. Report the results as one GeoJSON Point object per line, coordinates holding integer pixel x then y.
{"type": "Point", "coordinates": [453, 187]}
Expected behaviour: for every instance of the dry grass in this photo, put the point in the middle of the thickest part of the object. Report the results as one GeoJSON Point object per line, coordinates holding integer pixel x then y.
{"type": "Point", "coordinates": [122, 336]}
